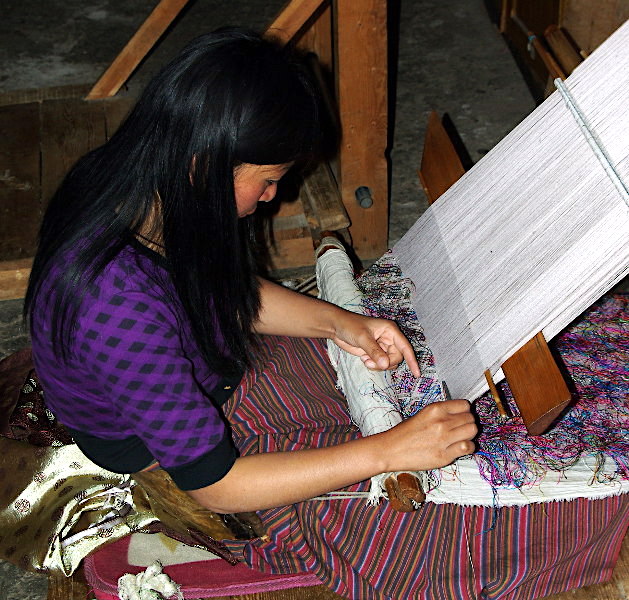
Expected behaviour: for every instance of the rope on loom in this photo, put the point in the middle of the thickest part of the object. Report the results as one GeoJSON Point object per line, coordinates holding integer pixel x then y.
{"type": "Point", "coordinates": [594, 351]}
{"type": "Point", "coordinates": [592, 139]}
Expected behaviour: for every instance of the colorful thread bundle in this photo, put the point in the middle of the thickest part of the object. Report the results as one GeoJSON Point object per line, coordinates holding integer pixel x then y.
{"type": "Point", "coordinates": [594, 350]}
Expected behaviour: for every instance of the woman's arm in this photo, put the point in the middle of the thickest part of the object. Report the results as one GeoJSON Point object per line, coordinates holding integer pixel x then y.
{"type": "Point", "coordinates": [434, 437]}
{"type": "Point", "coordinates": [379, 342]}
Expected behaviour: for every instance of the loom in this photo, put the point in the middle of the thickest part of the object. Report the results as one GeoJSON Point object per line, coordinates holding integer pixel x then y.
{"type": "Point", "coordinates": [519, 246]}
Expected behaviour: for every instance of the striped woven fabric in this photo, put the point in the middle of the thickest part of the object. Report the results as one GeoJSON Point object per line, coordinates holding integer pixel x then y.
{"type": "Point", "coordinates": [438, 552]}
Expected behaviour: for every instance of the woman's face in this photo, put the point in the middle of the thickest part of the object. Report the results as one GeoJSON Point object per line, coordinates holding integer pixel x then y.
{"type": "Point", "coordinates": [256, 183]}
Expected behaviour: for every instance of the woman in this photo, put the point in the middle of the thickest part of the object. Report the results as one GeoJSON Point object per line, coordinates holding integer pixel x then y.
{"type": "Point", "coordinates": [145, 305]}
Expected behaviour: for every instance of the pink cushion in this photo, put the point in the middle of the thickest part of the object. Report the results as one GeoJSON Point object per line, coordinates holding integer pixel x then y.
{"type": "Point", "coordinates": [202, 579]}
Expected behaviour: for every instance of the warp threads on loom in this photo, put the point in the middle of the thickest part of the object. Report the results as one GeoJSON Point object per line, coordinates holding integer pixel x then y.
{"type": "Point", "coordinates": [594, 351]}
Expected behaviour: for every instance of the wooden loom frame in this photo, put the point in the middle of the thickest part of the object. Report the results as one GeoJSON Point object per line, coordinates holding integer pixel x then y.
{"type": "Point", "coordinates": [349, 38]}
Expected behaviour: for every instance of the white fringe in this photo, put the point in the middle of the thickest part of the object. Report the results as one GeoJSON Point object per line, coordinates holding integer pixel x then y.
{"type": "Point", "coordinates": [150, 584]}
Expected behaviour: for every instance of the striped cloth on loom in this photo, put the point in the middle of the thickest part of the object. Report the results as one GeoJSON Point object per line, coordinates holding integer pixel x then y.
{"type": "Point", "coordinates": [439, 552]}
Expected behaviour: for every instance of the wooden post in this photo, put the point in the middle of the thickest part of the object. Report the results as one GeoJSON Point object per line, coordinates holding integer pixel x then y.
{"type": "Point", "coordinates": [361, 79]}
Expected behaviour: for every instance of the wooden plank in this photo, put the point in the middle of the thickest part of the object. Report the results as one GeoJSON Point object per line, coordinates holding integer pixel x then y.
{"type": "Point", "coordinates": [294, 18]}
{"type": "Point", "coordinates": [40, 94]}
{"type": "Point", "coordinates": [321, 193]}
{"type": "Point", "coordinates": [289, 207]}
{"type": "Point", "coordinates": [136, 49]}
{"type": "Point", "coordinates": [292, 253]}
{"type": "Point", "coordinates": [14, 276]}
{"type": "Point", "coordinates": [20, 209]}
{"type": "Point", "coordinates": [70, 128]}
{"type": "Point", "coordinates": [290, 222]}
{"type": "Point", "coordinates": [537, 385]}
{"type": "Point", "coordinates": [73, 587]}
{"type": "Point", "coordinates": [361, 79]}
{"type": "Point", "coordinates": [440, 164]}
{"type": "Point", "coordinates": [562, 48]}
{"type": "Point", "coordinates": [590, 23]}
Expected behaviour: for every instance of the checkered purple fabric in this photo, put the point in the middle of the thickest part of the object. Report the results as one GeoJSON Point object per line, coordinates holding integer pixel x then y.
{"type": "Point", "coordinates": [134, 369]}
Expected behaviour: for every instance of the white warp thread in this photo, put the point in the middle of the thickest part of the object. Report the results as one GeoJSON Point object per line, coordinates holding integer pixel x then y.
{"type": "Point", "coordinates": [532, 235]}
{"type": "Point", "coordinates": [592, 140]}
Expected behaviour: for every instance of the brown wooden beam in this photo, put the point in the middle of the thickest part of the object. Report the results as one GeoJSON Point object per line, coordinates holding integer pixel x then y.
{"type": "Point", "coordinates": [136, 49]}
{"type": "Point", "coordinates": [537, 385]}
{"type": "Point", "coordinates": [361, 79]}
{"type": "Point", "coordinates": [294, 18]}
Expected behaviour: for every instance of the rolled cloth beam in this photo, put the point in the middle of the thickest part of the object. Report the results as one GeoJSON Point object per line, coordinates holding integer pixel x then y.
{"type": "Point", "coordinates": [371, 398]}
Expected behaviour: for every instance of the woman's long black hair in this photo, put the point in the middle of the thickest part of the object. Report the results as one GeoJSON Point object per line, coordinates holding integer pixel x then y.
{"type": "Point", "coordinates": [230, 97]}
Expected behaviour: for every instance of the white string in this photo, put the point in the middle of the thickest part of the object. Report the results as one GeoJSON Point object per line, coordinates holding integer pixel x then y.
{"type": "Point", "coordinates": [592, 139]}
{"type": "Point", "coordinates": [340, 495]}
{"type": "Point", "coordinates": [531, 236]}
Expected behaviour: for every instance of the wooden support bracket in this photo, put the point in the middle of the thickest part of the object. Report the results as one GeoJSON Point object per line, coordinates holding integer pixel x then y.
{"type": "Point", "coordinates": [440, 164]}
{"type": "Point", "coordinates": [537, 384]}
{"type": "Point", "coordinates": [294, 18]}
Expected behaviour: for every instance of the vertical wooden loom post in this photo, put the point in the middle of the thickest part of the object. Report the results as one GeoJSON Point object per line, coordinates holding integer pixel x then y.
{"type": "Point", "coordinates": [361, 79]}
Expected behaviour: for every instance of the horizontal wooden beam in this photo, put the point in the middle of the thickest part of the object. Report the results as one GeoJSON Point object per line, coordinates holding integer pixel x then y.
{"type": "Point", "coordinates": [14, 276]}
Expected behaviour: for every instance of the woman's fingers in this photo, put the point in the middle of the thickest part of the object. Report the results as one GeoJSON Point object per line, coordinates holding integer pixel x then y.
{"type": "Point", "coordinates": [460, 448]}
{"type": "Point", "coordinates": [379, 343]}
{"type": "Point", "coordinates": [456, 406]}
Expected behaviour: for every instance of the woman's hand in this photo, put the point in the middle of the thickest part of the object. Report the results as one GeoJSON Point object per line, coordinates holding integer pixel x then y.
{"type": "Point", "coordinates": [435, 437]}
{"type": "Point", "coordinates": [378, 342]}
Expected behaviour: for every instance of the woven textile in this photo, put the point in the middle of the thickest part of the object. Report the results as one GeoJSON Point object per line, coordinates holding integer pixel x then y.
{"type": "Point", "coordinates": [438, 552]}
{"type": "Point", "coordinates": [587, 450]}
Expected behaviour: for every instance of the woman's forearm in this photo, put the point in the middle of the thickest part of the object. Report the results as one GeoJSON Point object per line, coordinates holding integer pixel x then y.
{"type": "Point", "coordinates": [286, 312]}
{"type": "Point", "coordinates": [436, 436]}
{"type": "Point", "coordinates": [272, 479]}
{"type": "Point", "coordinates": [378, 342]}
